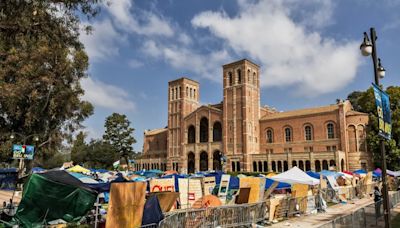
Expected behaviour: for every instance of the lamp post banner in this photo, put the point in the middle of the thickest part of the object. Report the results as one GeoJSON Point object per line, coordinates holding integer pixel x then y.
{"type": "Point", "coordinates": [384, 115]}
{"type": "Point", "coordinates": [23, 152]}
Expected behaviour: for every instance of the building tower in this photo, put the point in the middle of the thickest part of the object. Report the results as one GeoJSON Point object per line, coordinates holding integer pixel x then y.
{"type": "Point", "coordinates": [241, 113]}
{"type": "Point", "coordinates": [183, 98]}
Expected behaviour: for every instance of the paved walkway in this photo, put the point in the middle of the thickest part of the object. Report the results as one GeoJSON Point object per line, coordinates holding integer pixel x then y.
{"type": "Point", "coordinates": [321, 218]}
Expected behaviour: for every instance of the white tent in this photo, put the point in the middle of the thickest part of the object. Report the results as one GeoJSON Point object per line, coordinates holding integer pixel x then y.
{"type": "Point", "coordinates": [295, 176]}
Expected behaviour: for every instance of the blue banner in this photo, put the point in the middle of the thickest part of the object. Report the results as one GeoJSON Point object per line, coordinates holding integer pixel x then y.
{"type": "Point", "coordinates": [384, 114]}
{"type": "Point", "coordinates": [23, 152]}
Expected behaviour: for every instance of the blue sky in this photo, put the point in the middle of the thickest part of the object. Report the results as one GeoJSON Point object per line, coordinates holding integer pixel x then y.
{"type": "Point", "coordinates": [308, 52]}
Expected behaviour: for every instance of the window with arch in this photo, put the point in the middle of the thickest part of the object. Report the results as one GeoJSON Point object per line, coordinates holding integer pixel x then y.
{"type": "Point", "coordinates": [179, 92]}
{"type": "Point", "coordinates": [217, 132]}
{"type": "Point", "coordinates": [238, 166]}
{"type": "Point", "coordinates": [254, 78]}
{"type": "Point", "coordinates": [270, 136]}
{"type": "Point", "coordinates": [233, 167]}
{"type": "Point", "coordinates": [187, 91]}
{"type": "Point", "coordinates": [330, 128]}
{"type": "Point", "coordinates": [248, 76]}
{"type": "Point", "coordinates": [230, 78]}
{"type": "Point", "coordinates": [288, 134]}
{"type": "Point", "coordinates": [254, 166]}
{"type": "Point", "coordinates": [191, 134]}
{"type": "Point", "coordinates": [194, 93]}
{"type": "Point", "coordinates": [204, 129]}
{"type": "Point", "coordinates": [239, 76]}
{"type": "Point", "coordinates": [273, 164]}
{"type": "Point", "coordinates": [308, 133]}
{"type": "Point", "coordinates": [265, 166]}
{"type": "Point", "coordinates": [191, 93]}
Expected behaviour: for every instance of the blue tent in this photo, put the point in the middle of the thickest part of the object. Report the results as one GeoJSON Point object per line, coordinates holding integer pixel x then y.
{"type": "Point", "coordinates": [327, 173]}
{"type": "Point", "coordinates": [37, 170]}
{"type": "Point", "coordinates": [313, 174]}
{"type": "Point", "coordinates": [105, 187]}
{"type": "Point", "coordinates": [152, 213]}
{"type": "Point", "coordinates": [360, 171]}
{"type": "Point", "coordinates": [234, 182]}
{"type": "Point", "coordinates": [281, 185]}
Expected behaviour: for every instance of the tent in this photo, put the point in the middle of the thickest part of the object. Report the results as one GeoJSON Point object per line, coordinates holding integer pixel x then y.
{"type": "Point", "coordinates": [37, 170]}
{"type": "Point", "coordinates": [360, 171]}
{"type": "Point", "coordinates": [327, 173]}
{"type": "Point", "coordinates": [295, 176]}
{"type": "Point", "coordinates": [313, 174]}
{"type": "Point", "coordinates": [392, 173]}
{"type": "Point", "coordinates": [152, 213]}
{"type": "Point", "coordinates": [280, 186]}
{"type": "Point", "coordinates": [78, 169]}
{"type": "Point", "coordinates": [53, 195]}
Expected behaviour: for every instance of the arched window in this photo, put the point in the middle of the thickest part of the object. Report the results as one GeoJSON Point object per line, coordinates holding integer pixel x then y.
{"type": "Point", "coordinates": [280, 166]}
{"type": "Point", "coordinates": [191, 162]}
{"type": "Point", "coordinates": [332, 163]}
{"type": "Point", "coordinates": [179, 92]}
{"type": "Point", "coordinates": [330, 128]}
{"type": "Point", "coordinates": [233, 167]}
{"type": "Point", "coordinates": [254, 78]}
{"type": "Point", "coordinates": [265, 166]}
{"type": "Point", "coordinates": [191, 134]}
{"type": "Point", "coordinates": [254, 166]}
{"type": "Point", "coordinates": [191, 93]}
{"type": "Point", "coordinates": [238, 166]}
{"type": "Point", "coordinates": [260, 166]}
{"type": "Point", "coordinates": [325, 165]}
{"type": "Point", "coordinates": [274, 166]}
{"type": "Point", "coordinates": [239, 76]}
{"type": "Point", "coordinates": [187, 91]}
{"type": "Point", "coordinates": [288, 134]}
{"type": "Point", "coordinates": [285, 166]}
{"type": "Point", "coordinates": [217, 160]}
{"type": "Point", "coordinates": [204, 129]}
{"type": "Point", "coordinates": [270, 136]}
{"type": "Point", "coordinates": [294, 163]}
{"type": "Point", "coordinates": [317, 166]}
{"type": "Point", "coordinates": [203, 161]}
{"type": "Point", "coordinates": [230, 78]}
{"type": "Point", "coordinates": [217, 132]}
{"type": "Point", "coordinates": [301, 165]}
{"type": "Point", "coordinates": [308, 132]}
{"type": "Point", "coordinates": [194, 93]}
{"type": "Point", "coordinates": [308, 165]}
{"type": "Point", "coordinates": [248, 76]}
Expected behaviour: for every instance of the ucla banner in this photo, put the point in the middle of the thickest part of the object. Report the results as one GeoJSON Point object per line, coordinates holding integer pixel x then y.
{"type": "Point", "coordinates": [384, 116]}
{"type": "Point", "coordinates": [23, 152]}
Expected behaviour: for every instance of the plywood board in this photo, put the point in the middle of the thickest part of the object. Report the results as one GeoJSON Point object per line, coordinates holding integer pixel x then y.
{"type": "Point", "coordinates": [256, 184]}
{"type": "Point", "coordinates": [224, 187]}
{"type": "Point", "coordinates": [299, 190]}
{"type": "Point", "coordinates": [126, 204]}
{"type": "Point", "coordinates": [189, 191]}
{"type": "Point", "coordinates": [162, 185]}
{"type": "Point", "coordinates": [208, 185]}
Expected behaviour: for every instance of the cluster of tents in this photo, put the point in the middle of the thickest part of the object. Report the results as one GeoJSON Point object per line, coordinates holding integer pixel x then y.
{"type": "Point", "coordinates": [68, 195]}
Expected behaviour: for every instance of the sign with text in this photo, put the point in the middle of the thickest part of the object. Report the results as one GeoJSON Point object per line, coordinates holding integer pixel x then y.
{"type": "Point", "coordinates": [162, 185]}
{"type": "Point", "coordinates": [384, 115]}
{"type": "Point", "coordinates": [23, 152]}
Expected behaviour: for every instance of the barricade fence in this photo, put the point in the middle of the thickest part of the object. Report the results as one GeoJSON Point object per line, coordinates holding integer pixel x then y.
{"type": "Point", "coordinates": [368, 215]}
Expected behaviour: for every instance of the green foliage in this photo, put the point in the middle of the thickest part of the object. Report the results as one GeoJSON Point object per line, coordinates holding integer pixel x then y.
{"type": "Point", "coordinates": [101, 154]}
{"type": "Point", "coordinates": [119, 134]}
{"type": "Point", "coordinates": [41, 64]}
{"type": "Point", "coordinates": [79, 149]}
{"type": "Point", "coordinates": [364, 101]}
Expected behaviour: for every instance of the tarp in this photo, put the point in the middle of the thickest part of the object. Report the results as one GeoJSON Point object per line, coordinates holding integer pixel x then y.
{"type": "Point", "coordinates": [313, 174]}
{"type": "Point", "coordinates": [234, 183]}
{"type": "Point", "coordinates": [78, 169]}
{"type": "Point", "coordinates": [295, 176]}
{"type": "Point", "coordinates": [47, 200]}
{"type": "Point", "coordinates": [360, 171]}
{"type": "Point", "coordinates": [105, 187]}
{"type": "Point", "coordinates": [37, 170]}
{"type": "Point", "coordinates": [152, 212]}
{"type": "Point", "coordinates": [392, 173]}
{"type": "Point", "coordinates": [126, 204]}
{"type": "Point", "coordinates": [281, 185]}
{"type": "Point", "coordinates": [327, 173]}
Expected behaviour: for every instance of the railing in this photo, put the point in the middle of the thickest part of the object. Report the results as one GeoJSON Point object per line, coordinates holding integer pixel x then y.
{"type": "Point", "coordinates": [223, 216]}
{"type": "Point", "coordinates": [365, 216]}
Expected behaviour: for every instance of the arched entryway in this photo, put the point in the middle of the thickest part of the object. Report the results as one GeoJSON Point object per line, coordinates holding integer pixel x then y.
{"type": "Point", "coordinates": [301, 165]}
{"type": "Point", "coordinates": [325, 165]}
{"type": "Point", "coordinates": [217, 160]}
{"type": "Point", "coordinates": [203, 161]}
{"type": "Point", "coordinates": [308, 165]}
{"type": "Point", "coordinates": [317, 166]}
{"type": "Point", "coordinates": [191, 162]}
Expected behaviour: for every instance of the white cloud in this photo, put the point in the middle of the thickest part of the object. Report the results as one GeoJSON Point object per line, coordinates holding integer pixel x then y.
{"type": "Point", "coordinates": [149, 23]}
{"type": "Point", "coordinates": [106, 96]}
{"type": "Point", "coordinates": [103, 42]}
{"type": "Point", "coordinates": [134, 63]}
{"type": "Point", "coordinates": [288, 51]}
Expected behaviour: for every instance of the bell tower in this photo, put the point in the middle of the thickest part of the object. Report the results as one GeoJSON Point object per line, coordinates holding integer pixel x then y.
{"type": "Point", "coordinates": [183, 98]}
{"type": "Point", "coordinates": [241, 112]}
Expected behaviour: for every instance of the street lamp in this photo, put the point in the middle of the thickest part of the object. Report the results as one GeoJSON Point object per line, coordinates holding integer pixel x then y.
{"type": "Point", "coordinates": [368, 47]}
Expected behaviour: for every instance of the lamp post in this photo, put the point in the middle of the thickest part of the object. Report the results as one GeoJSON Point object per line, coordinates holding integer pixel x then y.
{"type": "Point", "coordinates": [24, 139]}
{"type": "Point", "coordinates": [368, 47]}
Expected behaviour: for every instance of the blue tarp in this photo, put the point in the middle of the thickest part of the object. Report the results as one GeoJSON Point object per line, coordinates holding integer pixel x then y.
{"type": "Point", "coordinates": [152, 213]}
{"type": "Point", "coordinates": [234, 183]}
{"type": "Point", "coordinates": [327, 173]}
{"type": "Point", "coordinates": [105, 187]}
{"type": "Point", "coordinates": [147, 173]}
{"type": "Point", "coordinates": [37, 170]}
{"type": "Point", "coordinates": [313, 174]}
{"type": "Point", "coordinates": [281, 185]}
{"type": "Point", "coordinates": [9, 170]}
{"type": "Point", "coordinates": [360, 171]}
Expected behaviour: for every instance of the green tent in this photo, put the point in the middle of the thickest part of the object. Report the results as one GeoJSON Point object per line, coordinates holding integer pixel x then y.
{"type": "Point", "coordinates": [53, 195]}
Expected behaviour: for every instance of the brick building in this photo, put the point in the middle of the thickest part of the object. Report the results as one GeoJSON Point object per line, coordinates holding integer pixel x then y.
{"type": "Point", "coordinates": [251, 137]}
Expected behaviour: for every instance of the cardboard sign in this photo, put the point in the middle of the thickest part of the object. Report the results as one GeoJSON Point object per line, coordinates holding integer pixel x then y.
{"type": "Point", "coordinates": [162, 185]}
{"type": "Point", "coordinates": [126, 204]}
{"type": "Point", "coordinates": [208, 185]}
{"type": "Point", "coordinates": [256, 185]}
{"type": "Point", "coordinates": [224, 187]}
{"type": "Point", "coordinates": [189, 191]}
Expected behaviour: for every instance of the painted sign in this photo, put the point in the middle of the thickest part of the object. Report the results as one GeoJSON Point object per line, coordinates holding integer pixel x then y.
{"type": "Point", "coordinates": [162, 185]}
{"type": "Point", "coordinates": [256, 185]}
{"type": "Point", "coordinates": [384, 115]}
{"type": "Point", "coordinates": [208, 185]}
{"type": "Point", "coordinates": [23, 152]}
{"type": "Point", "coordinates": [189, 191]}
{"type": "Point", "coordinates": [224, 187]}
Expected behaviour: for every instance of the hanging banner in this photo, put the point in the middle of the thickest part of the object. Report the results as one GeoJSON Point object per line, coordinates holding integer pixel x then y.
{"type": "Point", "coordinates": [384, 116]}
{"type": "Point", "coordinates": [23, 152]}
{"type": "Point", "coordinates": [162, 185]}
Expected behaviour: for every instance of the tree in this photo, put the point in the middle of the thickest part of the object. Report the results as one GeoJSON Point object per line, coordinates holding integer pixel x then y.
{"type": "Point", "coordinates": [119, 134]}
{"type": "Point", "coordinates": [101, 154]}
{"type": "Point", "coordinates": [79, 149]}
{"type": "Point", "coordinates": [41, 64]}
{"type": "Point", "coordinates": [364, 101]}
